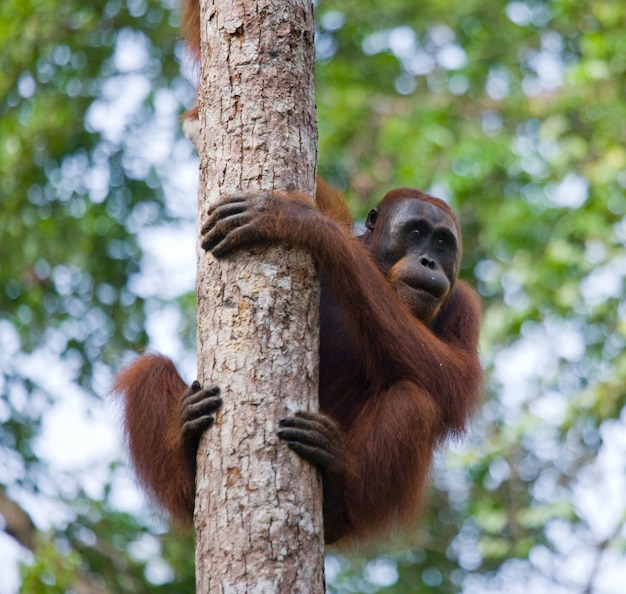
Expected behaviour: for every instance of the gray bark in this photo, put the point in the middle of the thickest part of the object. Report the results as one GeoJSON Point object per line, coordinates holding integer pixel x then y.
{"type": "Point", "coordinates": [258, 512]}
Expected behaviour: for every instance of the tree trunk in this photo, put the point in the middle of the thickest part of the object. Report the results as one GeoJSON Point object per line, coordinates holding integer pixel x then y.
{"type": "Point", "coordinates": [258, 512]}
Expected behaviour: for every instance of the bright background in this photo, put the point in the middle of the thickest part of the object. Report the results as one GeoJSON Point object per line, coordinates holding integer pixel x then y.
{"type": "Point", "coordinates": [514, 112]}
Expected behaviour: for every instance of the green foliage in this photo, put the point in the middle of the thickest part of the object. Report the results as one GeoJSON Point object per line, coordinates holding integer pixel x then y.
{"type": "Point", "coordinates": [51, 573]}
{"type": "Point", "coordinates": [104, 548]}
{"type": "Point", "coordinates": [513, 111]}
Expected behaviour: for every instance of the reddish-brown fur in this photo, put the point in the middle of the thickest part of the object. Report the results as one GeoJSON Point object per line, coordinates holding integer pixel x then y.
{"type": "Point", "coordinates": [190, 25]}
{"type": "Point", "coordinates": [395, 387]}
{"type": "Point", "coordinates": [152, 389]}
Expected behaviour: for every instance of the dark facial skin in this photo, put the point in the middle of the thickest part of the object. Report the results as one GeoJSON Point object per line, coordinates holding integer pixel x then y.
{"type": "Point", "coordinates": [399, 368]}
{"type": "Point", "coordinates": [417, 249]}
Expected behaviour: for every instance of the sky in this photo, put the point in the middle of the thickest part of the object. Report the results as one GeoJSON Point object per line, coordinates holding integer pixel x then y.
{"type": "Point", "coordinates": [81, 436]}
